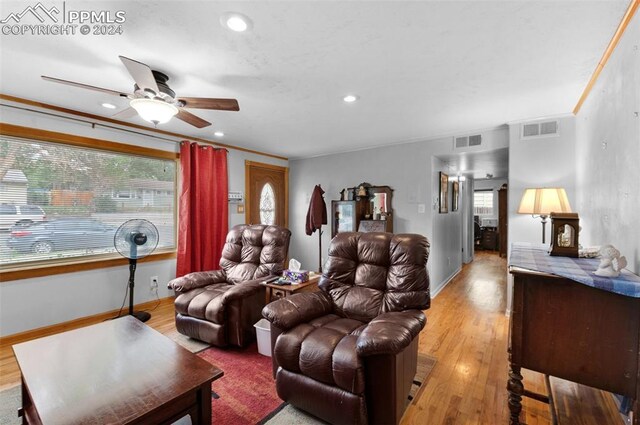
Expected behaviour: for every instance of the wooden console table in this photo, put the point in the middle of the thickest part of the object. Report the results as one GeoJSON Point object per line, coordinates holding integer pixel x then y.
{"type": "Point", "coordinates": [120, 372]}
{"type": "Point", "coordinates": [570, 330]}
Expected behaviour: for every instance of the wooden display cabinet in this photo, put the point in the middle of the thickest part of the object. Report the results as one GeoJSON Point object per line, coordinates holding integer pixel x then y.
{"type": "Point", "coordinates": [369, 209]}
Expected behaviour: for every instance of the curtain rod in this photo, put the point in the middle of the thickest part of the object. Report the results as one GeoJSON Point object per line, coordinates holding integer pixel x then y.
{"type": "Point", "coordinates": [112, 127]}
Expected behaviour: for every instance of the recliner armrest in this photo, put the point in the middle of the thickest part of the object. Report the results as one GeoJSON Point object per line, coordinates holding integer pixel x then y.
{"type": "Point", "coordinates": [197, 280]}
{"type": "Point", "coordinates": [390, 333]}
{"type": "Point", "coordinates": [243, 290]}
{"type": "Point", "coordinates": [289, 312]}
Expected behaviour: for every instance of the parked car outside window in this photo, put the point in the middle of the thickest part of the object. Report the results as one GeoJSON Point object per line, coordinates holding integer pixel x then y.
{"type": "Point", "coordinates": [62, 235]}
{"type": "Point", "coordinates": [20, 215]}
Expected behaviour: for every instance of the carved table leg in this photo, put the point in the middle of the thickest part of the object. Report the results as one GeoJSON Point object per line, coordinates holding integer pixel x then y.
{"type": "Point", "coordinates": [516, 389]}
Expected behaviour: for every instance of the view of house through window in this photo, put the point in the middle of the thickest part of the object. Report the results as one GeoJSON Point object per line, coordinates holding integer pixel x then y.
{"type": "Point", "coordinates": [60, 202]}
{"type": "Point", "coordinates": [483, 202]}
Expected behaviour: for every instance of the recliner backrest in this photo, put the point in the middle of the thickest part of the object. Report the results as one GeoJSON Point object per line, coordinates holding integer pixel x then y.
{"type": "Point", "coordinates": [254, 251]}
{"type": "Point", "coordinates": [368, 274]}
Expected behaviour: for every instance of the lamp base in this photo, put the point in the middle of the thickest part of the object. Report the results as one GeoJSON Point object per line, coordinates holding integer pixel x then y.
{"type": "Point", "coordinates": [544, 224]}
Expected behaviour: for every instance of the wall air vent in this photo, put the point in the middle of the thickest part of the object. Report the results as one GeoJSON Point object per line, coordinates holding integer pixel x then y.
{"type": "Point", "coordinates": [540, 129]}
{"type": "Point", "coordinates": [462, 142]}
{"type": "Point", "coordinates": [475, 140]}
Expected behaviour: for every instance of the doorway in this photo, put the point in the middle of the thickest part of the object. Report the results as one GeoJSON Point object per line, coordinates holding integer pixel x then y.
{"type": "Point", "coordinates": [267, 194]}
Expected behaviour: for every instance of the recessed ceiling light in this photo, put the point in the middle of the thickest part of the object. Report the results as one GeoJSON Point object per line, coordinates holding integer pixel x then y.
{"type": "Point", "coordinates": [235, 21]}
{"type": "Point", "coordinates": [350, 98]}
{"type": "Point", "coordinates": [109, 105]}
{"type": "Point", "coordinates": [218, 134]}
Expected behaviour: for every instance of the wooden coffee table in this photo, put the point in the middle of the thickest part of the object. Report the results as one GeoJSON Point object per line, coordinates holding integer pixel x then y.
{"type": "Point", "coordinates": [120, 371]}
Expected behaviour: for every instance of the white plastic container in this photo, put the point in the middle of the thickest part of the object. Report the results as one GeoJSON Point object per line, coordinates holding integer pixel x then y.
{"type": "Point", "coordinates": [263, 334]}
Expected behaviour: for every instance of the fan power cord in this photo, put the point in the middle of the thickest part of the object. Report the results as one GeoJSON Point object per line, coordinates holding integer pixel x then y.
{"type": "Point", "coordinates": [158, 302]}
{"type": "Point", "coordinates": [122, 306]}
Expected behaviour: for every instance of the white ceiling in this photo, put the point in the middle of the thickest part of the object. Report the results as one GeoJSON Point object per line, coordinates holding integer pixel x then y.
{"type": "Point", "coordinates": [421, 68]}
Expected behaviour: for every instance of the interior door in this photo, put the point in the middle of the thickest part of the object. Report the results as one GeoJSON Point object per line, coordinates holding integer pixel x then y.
{"type": "Point", "coordinates": [267, 194]}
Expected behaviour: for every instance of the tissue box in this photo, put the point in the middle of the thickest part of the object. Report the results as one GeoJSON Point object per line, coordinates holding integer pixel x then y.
{"type": "Point", "coordinates": [300, 276]}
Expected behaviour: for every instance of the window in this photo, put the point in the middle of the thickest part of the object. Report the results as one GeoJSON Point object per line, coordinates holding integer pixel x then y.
{"type": "Point", "coordinates": [64, 203]}
{"type": "Point", "coordinates": [267, 205]}
{"type": "Point", "coordinates": [483, 202]}
{"type": "Point", "coordinates": [122, 194]}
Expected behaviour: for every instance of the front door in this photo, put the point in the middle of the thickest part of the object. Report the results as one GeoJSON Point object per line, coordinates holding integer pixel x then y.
{"type": "Point", "coordinates": [267, 194]}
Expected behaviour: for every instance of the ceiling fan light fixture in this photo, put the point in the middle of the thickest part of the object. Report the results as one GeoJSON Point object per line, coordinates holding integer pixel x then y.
{"type": "Point", "coordinates": [235, 21]}
{"type": "Point", "coordinates": [154, 111]}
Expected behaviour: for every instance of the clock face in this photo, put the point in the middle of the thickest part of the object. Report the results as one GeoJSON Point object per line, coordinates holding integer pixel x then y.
{"type": "Point", "coordinates": [565, 236]}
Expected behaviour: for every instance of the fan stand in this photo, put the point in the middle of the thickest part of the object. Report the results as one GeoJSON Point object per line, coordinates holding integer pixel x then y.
{"type": "Point", "coordinates": [142, 316]}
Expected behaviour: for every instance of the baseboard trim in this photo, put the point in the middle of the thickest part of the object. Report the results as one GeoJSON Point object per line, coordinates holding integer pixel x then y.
{"type": "Point", "coordinates": [446, 282]}
{"type": "Point", "coordinates": [75, 323]}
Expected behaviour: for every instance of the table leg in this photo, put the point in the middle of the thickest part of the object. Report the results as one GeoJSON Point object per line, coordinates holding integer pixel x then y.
{"type": "Point", "coordinates": [204, 404]}
{"type": "Point", "coordinates": [635, 410]}
{"type": "Point", "coordinates": [516, 389]}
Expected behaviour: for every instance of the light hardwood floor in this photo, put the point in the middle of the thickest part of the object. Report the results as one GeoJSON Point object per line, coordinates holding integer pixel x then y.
{"type": "Point", "coordinates": [467, 332]}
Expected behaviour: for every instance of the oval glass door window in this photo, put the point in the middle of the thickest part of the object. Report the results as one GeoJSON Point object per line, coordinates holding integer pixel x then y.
{"type": "Point", "coordinates": [267, 205]}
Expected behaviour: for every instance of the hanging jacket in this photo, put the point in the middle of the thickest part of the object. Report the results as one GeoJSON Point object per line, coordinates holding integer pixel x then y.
{"type": "Point", "coordinates": [317, 213]}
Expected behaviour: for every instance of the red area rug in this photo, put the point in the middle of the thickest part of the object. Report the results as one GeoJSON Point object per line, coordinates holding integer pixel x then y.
{"type": "Point", "coordinates": [247, 391]}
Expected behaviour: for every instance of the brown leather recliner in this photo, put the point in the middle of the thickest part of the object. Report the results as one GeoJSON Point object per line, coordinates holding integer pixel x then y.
{"type": "Point", "coordinates": [221, 306]}
{"type": "Point", "coordinates": [348, 354]}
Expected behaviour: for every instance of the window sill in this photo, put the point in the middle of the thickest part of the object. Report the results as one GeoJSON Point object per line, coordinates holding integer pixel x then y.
{"type": "Point", "coordinates": [28, 271]}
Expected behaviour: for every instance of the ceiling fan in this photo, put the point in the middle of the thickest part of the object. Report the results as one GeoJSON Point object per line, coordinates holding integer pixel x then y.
{"type": "Point", "coordinates": [153, 99]}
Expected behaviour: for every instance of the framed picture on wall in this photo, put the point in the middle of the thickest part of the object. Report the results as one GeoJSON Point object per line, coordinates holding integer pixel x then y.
{"type": "Point", "coordinates": [455, 196]}
{"type": "Point", "coordinates": [444, 193]}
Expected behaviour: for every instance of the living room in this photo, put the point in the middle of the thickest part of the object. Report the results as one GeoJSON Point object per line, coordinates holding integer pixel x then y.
{"type": "Point", "coordinates": [420, 76]}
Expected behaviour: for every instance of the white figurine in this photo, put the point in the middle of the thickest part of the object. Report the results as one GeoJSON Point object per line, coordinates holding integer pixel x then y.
{"type": "Point", "coordinates": [611, 262]}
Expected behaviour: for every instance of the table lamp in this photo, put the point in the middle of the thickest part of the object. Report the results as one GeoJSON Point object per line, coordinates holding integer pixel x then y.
{"type": "Point", "coordinates": [542, 202]}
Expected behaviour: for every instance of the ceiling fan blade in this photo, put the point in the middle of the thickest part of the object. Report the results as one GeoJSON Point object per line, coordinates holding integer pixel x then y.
{"type": "Point", "coordinates": [141, 74]}
{"type": "Point", "coordinates": [84, 86]}
{"type": "Point", "coordinates": [125, 113]}
{"type": "Point", "coordinates": [205, 103]}
{"type": "Point", "coordinates": [194, 120]}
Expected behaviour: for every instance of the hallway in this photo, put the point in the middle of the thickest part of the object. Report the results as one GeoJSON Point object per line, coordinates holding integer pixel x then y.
{"type": "Point", "coordinates": [467, 331]}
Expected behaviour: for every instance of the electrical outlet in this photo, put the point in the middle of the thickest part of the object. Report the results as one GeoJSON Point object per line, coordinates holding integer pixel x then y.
{"type": "Point", "coordinates": [154, 282]}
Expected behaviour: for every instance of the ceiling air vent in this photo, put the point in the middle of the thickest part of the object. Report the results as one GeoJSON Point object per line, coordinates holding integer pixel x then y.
{"type": "Point", "coordinates": [540, 129]}
{"type": "Point", "coordinates": [467, 141]}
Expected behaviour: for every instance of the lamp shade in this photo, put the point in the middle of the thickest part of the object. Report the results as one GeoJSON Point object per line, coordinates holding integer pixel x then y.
{"type": "Point", "coordinates": [154, 111]}
{"type": "Point", "coordinates": [544, 201]}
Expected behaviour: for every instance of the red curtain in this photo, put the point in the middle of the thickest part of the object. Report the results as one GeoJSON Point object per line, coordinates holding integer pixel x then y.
{"type": "Point", "coordinates": [203, 207]}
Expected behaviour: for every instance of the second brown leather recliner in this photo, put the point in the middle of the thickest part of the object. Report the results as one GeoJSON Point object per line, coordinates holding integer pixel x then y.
{"type": "Point", "coordinates": [348, 354]}
{"type": "Point", "coordinates": [221, 306]}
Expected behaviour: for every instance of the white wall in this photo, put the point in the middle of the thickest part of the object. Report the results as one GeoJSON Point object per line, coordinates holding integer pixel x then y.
{"type": "Point", "coordinates": [608, 153]}
{"type": "Point", "coordinates": [538, 162]}
{"type": "Point", "coordinates": [33, 303]}
{"type": "Point", "coordinates": [411, 171]}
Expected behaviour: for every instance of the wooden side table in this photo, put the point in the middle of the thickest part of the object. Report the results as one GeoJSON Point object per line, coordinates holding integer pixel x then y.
{"type": "Point", "coordinates": [275, 292]}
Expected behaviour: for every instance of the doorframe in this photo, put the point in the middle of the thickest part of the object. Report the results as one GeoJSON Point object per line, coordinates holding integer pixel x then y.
{"type": "Point", "coordinates": [247, 187]}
